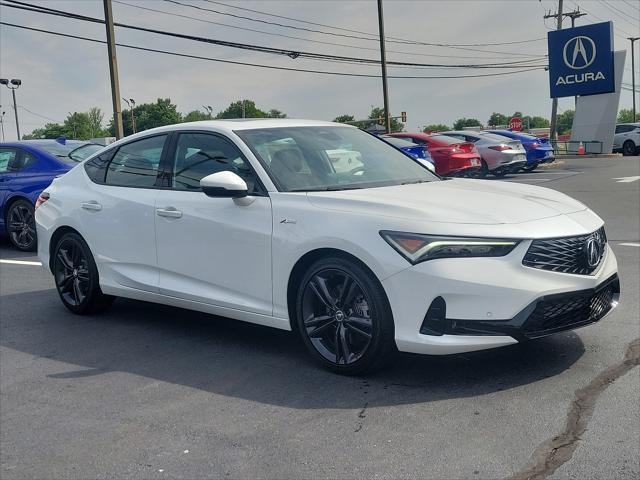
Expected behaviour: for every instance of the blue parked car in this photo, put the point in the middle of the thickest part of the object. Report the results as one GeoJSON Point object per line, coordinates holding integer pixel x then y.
{"type": "Point", "coordinates": [27, 168]}
{"type": "Point", "coordinates": [419, 152]}
{"type": "Point", "coordinates": [538, 149]}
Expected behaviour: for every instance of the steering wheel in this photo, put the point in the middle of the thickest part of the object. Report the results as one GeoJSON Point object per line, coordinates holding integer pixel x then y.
{"type": "Point", "coordinates": [357, 170]}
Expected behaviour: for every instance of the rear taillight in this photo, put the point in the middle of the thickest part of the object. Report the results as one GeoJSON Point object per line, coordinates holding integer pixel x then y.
{"type": "Point", "coordinates": [456, 150]}
{"type": "Point", "coordinates": [44, 196]}
{"type": "Point", "coordinates": [500, 148]}
{"type": "Point", "coordinates": [534, 145]}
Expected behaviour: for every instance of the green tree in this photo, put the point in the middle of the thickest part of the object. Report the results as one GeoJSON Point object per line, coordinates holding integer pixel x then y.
{"type": "Point", "coordinates": [50, 130]}
{"type": "Point", "coordinates": [242, 109]}
{"type": "Point", "coordinates": [78, 126]}
{"type": "Point", "coordinates": [95, 122]}
{"type": "Point", "coordinates": [565, 122]}
{"type": "Point", "coordinates": [466, 122]}
{"type": "Point", "coordinates": [344, 118]}
{"type": "Point", "coordinates": [625, 115]}
{"type": "Point", "coordinates": [498, 119]}
{"type": "Point", "coordinates": [536, 122]}
{"type": "Point", "coordinates": [196, 116]}
{"type": "Point", "coordinates": [273, 113]}
{"type": "Point", "coordinates": [377, 114]}
{"type": "Point", "coordinates": [149, 115]}
{"type": "Point", "coordinates": [436, 127]}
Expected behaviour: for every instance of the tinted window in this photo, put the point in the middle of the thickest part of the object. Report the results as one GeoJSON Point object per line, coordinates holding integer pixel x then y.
{"type": "Point", "coordinates": [136, 164]}
{"type": "Point", "coordinates": [445, 139]}
{"type": "Point", "coordinates": [96, 168]}
{"type": "Point", "coordinates": [200, 154]}
{"type": "Point", "coordinates": [8, 158]}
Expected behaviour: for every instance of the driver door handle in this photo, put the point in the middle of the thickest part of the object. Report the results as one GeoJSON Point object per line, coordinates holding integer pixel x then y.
{"type": "Point", "coordinates": [169, 212]}
{"type": "Point", "coordinates": [91, 205]}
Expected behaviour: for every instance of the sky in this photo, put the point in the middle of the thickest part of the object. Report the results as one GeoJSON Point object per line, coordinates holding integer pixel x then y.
{"type": "Point", "coordinates": [61, 75]}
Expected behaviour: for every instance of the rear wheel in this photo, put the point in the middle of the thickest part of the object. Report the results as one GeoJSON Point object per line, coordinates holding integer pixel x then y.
{"type": "Point", "coordinates": [76, 276]}
{"type": "Point", "coordinates": [343, 317]}
{"type": "Point", "coordinates": [628, 148]}
{"type": "Point", "coordinates": [483, 171]}
{"type": "Point", "coordinates": [500, 172]}
{"type": "Point", "coordinates": [530, 167]}
{"type": "Point", "coordinates": [21, 226]}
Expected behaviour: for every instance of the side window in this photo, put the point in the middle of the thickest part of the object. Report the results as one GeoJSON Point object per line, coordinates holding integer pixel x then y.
{"type": "Point", "coordinates": [200, 154]}
{"type": "Point", "coordinates": [8, 158]}
{"type": "Point", "coordinates": [417, 141]}
{"type": "Point", "coordinates": [96, 168]}
{"type": "Point", "coordinates": [28, 160]}
{"type": "Point", "coordinates": [136, 164]}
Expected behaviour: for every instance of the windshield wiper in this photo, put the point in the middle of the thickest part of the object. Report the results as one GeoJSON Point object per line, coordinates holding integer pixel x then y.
{"type": "Point", "coordinates": [323, 189]}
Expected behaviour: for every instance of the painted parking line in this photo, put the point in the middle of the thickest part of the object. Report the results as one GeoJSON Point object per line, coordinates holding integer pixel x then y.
{"type": "Point", "coordinates": [629, 244]}
{"type": "Point", "coordinates": [20, 262]}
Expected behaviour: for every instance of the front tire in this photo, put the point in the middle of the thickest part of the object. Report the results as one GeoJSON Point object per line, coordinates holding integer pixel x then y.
{"type": "Point", "coordinates": [628, 148]}
{"type": "Point", "coordinates": [343, 316]}
{"type": "Point", "coordinates": [76, 276]}
{"type": "Point", "coordinates": [21, 226]}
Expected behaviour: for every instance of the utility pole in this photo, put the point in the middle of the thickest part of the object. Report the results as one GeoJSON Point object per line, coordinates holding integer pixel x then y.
{"type": "Point", "coordinates": [383, 62]}
{"type": "Point", "coordinates": [113, 69]}
{"type": "Point", "coordinates": [2, 123]}
{"type": "Point", "coordinates": [633, 74]}
{"type": "Point", "coordinates": [553, 133]}
{"type": "Point", "coordinates": [573, 15]}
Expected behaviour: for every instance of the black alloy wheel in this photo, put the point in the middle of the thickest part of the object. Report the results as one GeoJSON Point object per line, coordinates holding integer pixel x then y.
{"type": "Point", "coordinates": [500, 172]}
{"type": "Point", "coordinates": [344, 317]}
{"type": "Point", "coordinates": [628, 148]}
{"type": "Point", "coordinates": [21, 226]}
{"type": "Point", "coordinates": [76, 276]}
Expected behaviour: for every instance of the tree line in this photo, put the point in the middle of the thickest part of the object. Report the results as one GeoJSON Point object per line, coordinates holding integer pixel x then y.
{"type": "Point", "coordinates": [87, 125]}
{"type": "Point", "coordinates": [90, 124]}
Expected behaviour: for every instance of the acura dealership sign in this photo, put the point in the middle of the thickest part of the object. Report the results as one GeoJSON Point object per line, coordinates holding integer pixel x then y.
{"type": "Point", "coordinates": [581, 60]}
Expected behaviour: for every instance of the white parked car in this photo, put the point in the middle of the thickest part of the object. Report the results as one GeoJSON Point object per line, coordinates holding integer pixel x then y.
{"type": "Point", "coordinates": [626, 139]}
{"type": "Point", "coordinates": [500, 155]}
{"type": "Point", "coordinates": [250, 220]}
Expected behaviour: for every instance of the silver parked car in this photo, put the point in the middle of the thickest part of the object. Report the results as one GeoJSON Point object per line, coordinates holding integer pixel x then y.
{"type": "Point", "coordinates": [500, 155]}
{"type": "Point", "coordinates": [627, 138]}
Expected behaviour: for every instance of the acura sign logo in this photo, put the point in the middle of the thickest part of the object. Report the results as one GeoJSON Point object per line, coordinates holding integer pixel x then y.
{"type": "Point", "coordinates": [592, 251]}
{"type": "Point", "coordinates": [579, 52]}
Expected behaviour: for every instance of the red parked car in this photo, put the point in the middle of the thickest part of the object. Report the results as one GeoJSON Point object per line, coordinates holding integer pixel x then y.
{"type": "Point", "coordinates": [451, 155]}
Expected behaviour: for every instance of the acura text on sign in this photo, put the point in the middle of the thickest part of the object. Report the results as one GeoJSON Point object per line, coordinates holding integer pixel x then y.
{"type": "Point", "coordinates": [581, 60]}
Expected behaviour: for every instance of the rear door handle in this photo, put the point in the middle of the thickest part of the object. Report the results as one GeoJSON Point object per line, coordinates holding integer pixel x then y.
{"type": "Point", "coordinates": [169, 212]}
{"type": "Point", "coordinates": [91, 205]}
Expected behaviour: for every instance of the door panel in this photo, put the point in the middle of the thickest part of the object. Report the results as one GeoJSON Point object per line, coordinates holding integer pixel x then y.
{"type": "Point", "coordinates": [214, 251]}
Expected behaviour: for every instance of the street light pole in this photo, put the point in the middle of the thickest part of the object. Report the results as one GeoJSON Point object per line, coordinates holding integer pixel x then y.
{"type": "Point", "coordinates": [16, 82]}
{"type": "Point", "coordinates": [553, 133]}
{"type": "Point", "coordinates": [2, 123]}
{"type": "Point", "coordinates": [383, 62]}
{"type": "Point", "coordinates": [633, 75]}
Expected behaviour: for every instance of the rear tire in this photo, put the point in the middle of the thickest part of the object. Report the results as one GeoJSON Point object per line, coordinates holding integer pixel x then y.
{"type": "Point", "coordinates": [483, 171]}
{"type": "Point", "coordinates": [343, 317]}
{"type": "Point", "coordinates": [76, 276]}
{"type": "Point", "coordinates": [500, 173]}
{"type": "Point", "coordinates": [530, 167]}
{"type": "Point", "coordinates": [628, 148]}
{"type": "Point", "coordinates": [21, 226]}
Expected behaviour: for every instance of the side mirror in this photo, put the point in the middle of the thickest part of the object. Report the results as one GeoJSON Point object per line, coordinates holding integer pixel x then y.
{"type": "Point", "coordinates": [224, 185]}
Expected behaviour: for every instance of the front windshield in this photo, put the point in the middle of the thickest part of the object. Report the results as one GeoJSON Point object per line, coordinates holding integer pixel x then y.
{"type": "Point", "coordinates": [331, 158]}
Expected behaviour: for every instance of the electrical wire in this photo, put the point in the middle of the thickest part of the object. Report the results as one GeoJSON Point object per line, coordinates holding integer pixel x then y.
{"type": "Point", "coordinates": [38, 114]}
{"type": "Point", "coordinates": [173, 14]}
{"type": "Point", "coordinates": [632, 5]}
{"type": "Point", "coordinates": [272, 67]}
{"type": "Point", "coordinates": [388, 40]}
{"type": "Point", "coordinates": [620, 13]}
{"type": "Point", "coordinates": [258, 48]}
{"type": "Point", "coordinates": [375, 35]}
{"type": "Point", "coordinates": [602, 20]}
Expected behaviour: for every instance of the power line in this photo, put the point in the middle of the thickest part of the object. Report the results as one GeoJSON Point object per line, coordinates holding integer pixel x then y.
{"type": "Point", "coordinates": [632, 5]}
{"type": "Point", "coordinates": [603, 20]}
{"type": "Point", "coordinates": [38, 114]}
{"type": "Point", "coordinates": [252, 47]}
{"type": "Point", "coordinates": [620, 13]}
{"type": "Point", "coordinates": [404, 42]}
{"type": "Point", "coordinates": [272, 67]}
{"type": "Point", "coordinates": [375, 35]}
{"type": "Point", "coordinates": [174, 14]}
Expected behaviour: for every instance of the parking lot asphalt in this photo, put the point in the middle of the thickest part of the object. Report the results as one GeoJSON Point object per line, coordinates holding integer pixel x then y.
{"type": "Point", "coordinates": [147, 391]}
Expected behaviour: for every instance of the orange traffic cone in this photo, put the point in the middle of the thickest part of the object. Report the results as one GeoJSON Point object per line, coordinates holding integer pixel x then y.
{"type": "Point", "coordinates": [581, 149]}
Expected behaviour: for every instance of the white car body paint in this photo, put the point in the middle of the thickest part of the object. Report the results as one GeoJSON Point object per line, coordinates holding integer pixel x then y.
{"type": "Point", "coordinates": [235, 260]}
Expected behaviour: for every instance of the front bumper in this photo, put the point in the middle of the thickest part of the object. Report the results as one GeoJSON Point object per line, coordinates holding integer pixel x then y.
{"type": "Point", "coordinates": [481, 293]}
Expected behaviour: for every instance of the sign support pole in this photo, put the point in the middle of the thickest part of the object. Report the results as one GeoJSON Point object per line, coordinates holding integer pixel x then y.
{"type": "Point", "coordinates": [553, 133]}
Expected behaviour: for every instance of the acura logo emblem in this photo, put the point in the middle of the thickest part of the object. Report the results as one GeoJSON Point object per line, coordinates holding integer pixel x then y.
{"type": "Point", "coordinates": [592, 250]}
{"type": "Point", "coordinates": [579, 52]}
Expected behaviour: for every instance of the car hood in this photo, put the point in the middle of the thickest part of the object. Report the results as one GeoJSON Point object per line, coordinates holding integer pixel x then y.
{"type": "Point", "coordinates": [452, 201]}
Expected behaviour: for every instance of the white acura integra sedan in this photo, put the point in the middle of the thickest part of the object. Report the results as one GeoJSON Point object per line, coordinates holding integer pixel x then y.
{"type": "Point", "coordinates": [256, 220]}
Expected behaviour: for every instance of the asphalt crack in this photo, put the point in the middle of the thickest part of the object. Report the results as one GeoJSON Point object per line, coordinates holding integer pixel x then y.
{"type": "Point", "coordinates": [553, 453]}
{"type": "Point", "coordinates": [361, 415]}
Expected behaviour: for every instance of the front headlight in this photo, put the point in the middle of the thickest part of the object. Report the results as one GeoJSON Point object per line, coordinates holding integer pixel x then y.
{"type": "Point", "coordinates": [418, 248]}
